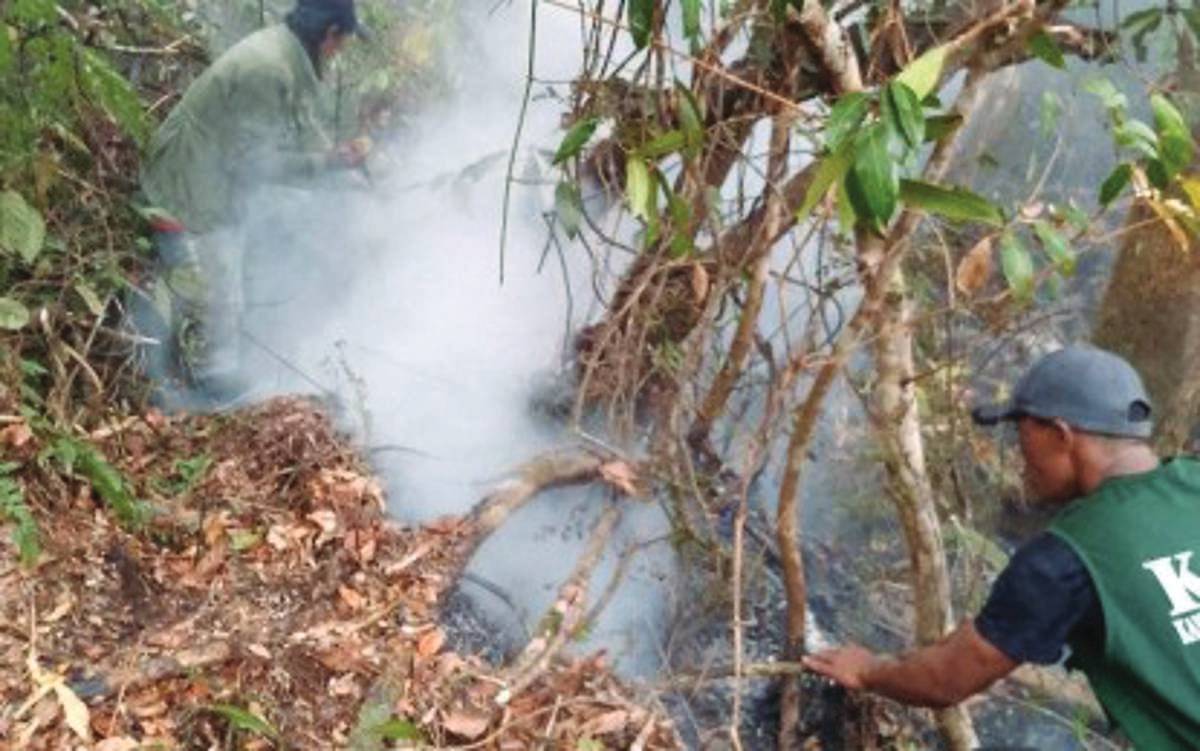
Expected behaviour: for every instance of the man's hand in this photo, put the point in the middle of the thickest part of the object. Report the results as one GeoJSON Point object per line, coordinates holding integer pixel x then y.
{"type": "Point", "coordinates": [351, 154]}
{"type": "Point", "coordinates": [847, 665]}
{"type": "Point", "coordinates": [939, 675]}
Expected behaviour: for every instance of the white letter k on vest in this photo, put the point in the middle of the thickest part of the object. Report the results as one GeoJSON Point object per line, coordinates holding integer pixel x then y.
{"type": "Point", "coordinates": [1178, 581]}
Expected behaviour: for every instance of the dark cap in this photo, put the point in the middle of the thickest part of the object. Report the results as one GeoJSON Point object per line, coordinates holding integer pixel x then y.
{"type": "Point", "coordinates": [340, 13]}
{"type": "Point", "coordinates": [1090, 389]}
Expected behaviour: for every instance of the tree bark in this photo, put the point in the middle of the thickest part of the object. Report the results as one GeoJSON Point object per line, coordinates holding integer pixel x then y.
{"type": "Point", "coordinates": [897, 427]}
{"type": "Point", "coordinates": [1151, 315]}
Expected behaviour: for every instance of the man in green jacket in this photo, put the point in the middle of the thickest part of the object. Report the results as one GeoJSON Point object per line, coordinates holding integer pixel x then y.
{"type": "Point", "coordinates": [1111, 588]}
{"type": "Point", "coordinates": [247, 120]}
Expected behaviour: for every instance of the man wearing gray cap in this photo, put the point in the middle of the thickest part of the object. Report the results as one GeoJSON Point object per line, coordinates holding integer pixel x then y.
{"type": "Point", "coordinates": [1110, 588]}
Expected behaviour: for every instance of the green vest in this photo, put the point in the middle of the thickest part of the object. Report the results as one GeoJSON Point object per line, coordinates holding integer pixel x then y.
{"type": "Point", "coordinates": [1138, 535]}
{"type": "Point", "coordinates": [248, 119]}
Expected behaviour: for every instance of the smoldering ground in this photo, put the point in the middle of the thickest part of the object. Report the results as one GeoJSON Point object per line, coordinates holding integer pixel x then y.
{"type": "Point", "coordinates": [380, 292]}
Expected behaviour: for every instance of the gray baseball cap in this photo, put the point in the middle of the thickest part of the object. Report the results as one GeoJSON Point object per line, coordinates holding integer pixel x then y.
{"type": "Point", "coordinates": [1090, 389]}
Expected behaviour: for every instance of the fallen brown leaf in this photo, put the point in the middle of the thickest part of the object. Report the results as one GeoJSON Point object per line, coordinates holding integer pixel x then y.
{"type": "Point", "coordinates": [466, 723]}
{"type": "Point", "coordinates": [431, 643]}
{"type": "Point", "coordinates": [147, 711]}
{"type": "Point", "coordinates": [609, 722]}
{"type": "Point", "coordinates": [214, 527]}
{"type": "Point", "coordinates": [16, 435]}
{"type": "Point", "coordinates": [975, 268]}
{"type": "Point", "coordinates": [327, 520]}
{"type": "Point", "coordinates": [344, 685]}
{"type": "Point", "coordinates": [341, 658]}
{"type": "Point", "coordinates": [351, 598]}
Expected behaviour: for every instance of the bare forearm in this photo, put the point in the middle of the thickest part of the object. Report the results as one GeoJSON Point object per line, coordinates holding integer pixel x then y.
{"type": "Point", "coordinates": [917, 678]}
{"type": "Point", "coordinates": [939, 675]}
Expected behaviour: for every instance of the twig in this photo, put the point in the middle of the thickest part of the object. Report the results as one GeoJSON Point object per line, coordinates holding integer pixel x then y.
{"type": "Point", "coordinates": [707, 67]}
{"type": "Point", "coordinates": [758, 670]}
{"type": "Point", "coordinates": [565, 614]}
{"type": "Point", "coordinates": [172, 48]}
{"type": "Point", "coordinates": [549, 732]}
{"type": "Point", "coordinates": [512, 155]}
{"type": "Point", "coordinates": [614, 582]}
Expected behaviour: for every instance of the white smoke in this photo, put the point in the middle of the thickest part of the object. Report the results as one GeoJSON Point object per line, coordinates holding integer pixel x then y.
{"type": "Point", "coordinates": [387, 293]}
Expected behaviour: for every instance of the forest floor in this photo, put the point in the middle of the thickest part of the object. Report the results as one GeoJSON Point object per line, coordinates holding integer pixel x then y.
{"type": "Point", "coordinates": [265, 599]}
{"type": "Point", "coordinates": [268, 601]}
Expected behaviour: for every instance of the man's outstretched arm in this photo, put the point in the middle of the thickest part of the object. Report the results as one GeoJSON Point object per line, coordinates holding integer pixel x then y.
{"type": "Point", "coordinates": [940, 675]}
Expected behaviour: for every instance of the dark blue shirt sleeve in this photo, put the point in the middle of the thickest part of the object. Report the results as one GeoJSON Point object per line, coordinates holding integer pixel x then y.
{"type": "Point", "coordinates": [1041, 599]}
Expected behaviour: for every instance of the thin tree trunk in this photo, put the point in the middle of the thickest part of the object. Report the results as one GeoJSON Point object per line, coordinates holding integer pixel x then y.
{"type": "Point", "coordinates": [897, 427]}
{"type": "Point", "coordinates": [896, 422]}
{"type": "Point", "coordinates": [1151, 316]}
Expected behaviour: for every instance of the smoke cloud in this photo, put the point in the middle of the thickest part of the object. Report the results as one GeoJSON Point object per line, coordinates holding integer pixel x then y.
{"type": "Point", "coordinates": [385, 292]}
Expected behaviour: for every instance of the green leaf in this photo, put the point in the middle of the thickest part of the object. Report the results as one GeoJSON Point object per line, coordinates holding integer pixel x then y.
{"type": "Point", "coordinates": [680, 212]}
{"type": "Point", "coordinates": [1174, 136]}
{"type": "Point", "coordinates": [1141, 24]}
{"type": "Point", "coordinates": [1075, 216]}
{"type": "Point", "coordinates": [691, 20]}
{"type": "Point", "coordinates": [1137, 135]}
{"type": "Point", "coordinates": [957, 204]}
{"type": "Point", "coordinates": [5, 47]}
{"type": "Point", "coordinates": [1114, 101]}
{"type": "Point", "coordinates": [22, 230]}
{"type": "Point", "coordinates": [1140, 18]}
{"type": "Point", "coordinates": [639, 189]}
{"type": "Point", "coordinates": [1056, 248]}
{"type": "Point", "coordinates": [923, 74]}
{"type": "Point", "coordinates": [568, 204]}
{"type": "Point", "coordinates": [576, 138]}
{"type": "Point", "coordinates": [1158, 174]}
{"type": "Point", "coordinates": [938, 127]}
{"type": "Point", "coordinates": [690, 119]}
{"type": "Point", "coordinates": [241, 719]}
{"type": "Point", "coordinates": [33, 368]}
{"type": "Point", "coordinates": [1017, 266]}
{"type": "Point", "coordinates": [830, 170]}
{"type": "Point", "coordinates": [663, 144]}
{"type": "Point", "coordinates": [93, 302]}
{"type": "Point", "coordinates": [241, 540]}
{"type": "Point", "coordinates": [872, 183]}
{"type": "Point", "coordinates": [115, 94]}
{"type": "Point", "coordinates": [844, 118]}
{"type": "Point", "coordinates": [106, 480]}
{"type": "Point", "coordinates": [1049, 110]}
{"type": "Point", "coordinates": [32, 12]}
{"type": "Point", "coordinates": [1047, 50]}
{"type": "Point", "coordinates": [641, 21]}
{"type": "Point", "coordinates": [903, 113]}
{"type": "Point", "coordinates": [847, 219]}
{"type": "Point", "coordinates": [14, 510]}
{"type": "Point", "coordinates": [192, 471]}
{"type": "Point", "coordinates": [399, 730]}
{"type": "Point", "coordinates": [13, 315]}
{"type": "Point", "coordinates": [1115, 183]}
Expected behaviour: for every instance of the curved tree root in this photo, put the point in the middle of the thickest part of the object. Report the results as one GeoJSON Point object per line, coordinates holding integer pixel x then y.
{"type": "Point", "coordinates": [563, 467]}
{"type": "Point", "coordinates": [569, 613]}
